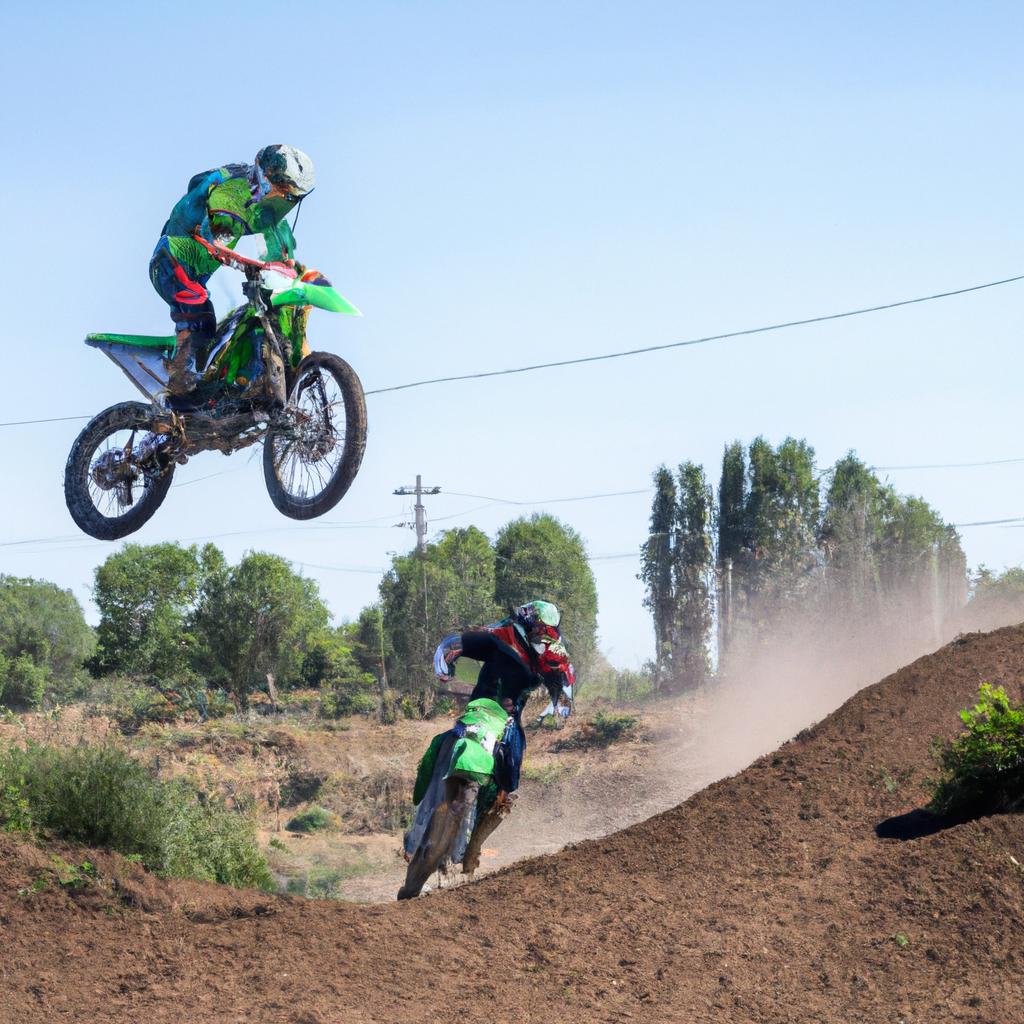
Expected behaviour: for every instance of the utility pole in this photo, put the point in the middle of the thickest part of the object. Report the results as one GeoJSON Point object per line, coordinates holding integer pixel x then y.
{"type": "Point", "coordinates": [421, 513]}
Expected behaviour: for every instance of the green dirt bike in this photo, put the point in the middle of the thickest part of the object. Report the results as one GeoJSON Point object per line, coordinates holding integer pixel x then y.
{"type": "Point", "coordinates": [459, 804]}
{"type": "Point", "coordinates": [258, 381]}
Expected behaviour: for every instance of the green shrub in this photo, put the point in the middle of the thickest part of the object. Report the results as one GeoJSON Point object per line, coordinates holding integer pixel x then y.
{"type": "Point", "coordinates": [22, 682]}
{"type": "Point", "coordinates": [131, 704]}
{"type": "Point", "coordinates": [351, 696]}
{"type": "Point", "coordinates": [983, 768]}
{"type": "Point", "coordinates": [610, 727]}
{"type": "Point", "coordinates": [390, 707]}
{"type": "Point", "coordinates": [315, 819]}
{"type": "Point", "coordinates": [205, 839]}
{"type": "Point", "coordinates": [99, 796]}
{"type": "Point", "coordinates": [442, 707]}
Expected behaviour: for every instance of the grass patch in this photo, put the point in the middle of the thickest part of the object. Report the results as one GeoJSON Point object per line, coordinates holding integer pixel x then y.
{"type": "Point", "coordinates": [604, 729]}
{"type": "Point", "coordinates": [323, 877]}
{"type": "Point", "coordinates": [545, 774]}
{"type": "Point", "coordinates": [610, 727]}
{"type": "Point", "coordinates": [98, 796]}
{"type": "Point", "coordinates": [315, 819]}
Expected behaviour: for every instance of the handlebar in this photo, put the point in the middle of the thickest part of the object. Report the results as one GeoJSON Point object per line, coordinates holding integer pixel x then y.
{"type": "Point", "coordinates": [250, 267]}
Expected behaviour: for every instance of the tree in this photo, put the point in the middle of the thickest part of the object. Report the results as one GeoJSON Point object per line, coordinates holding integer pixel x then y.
{"type": "Point", "coordinates": [331, 664]}
{"type": "Point", "coordinates": [44, 642]}
{"type": "Point", "coordinates": [256, 619]}
{"type": "Point", "coordinates": [781, 518]}
{"type": "Point", "coordinates": [731, 500]}
{"type": "Point", "coordinates": [370, 645]}
{"type": "Point", "coordinates": [146, 595]}
{"type": "Point", "coordinates": [427, 595]}
{"type": "Point", "coordinates": [656, 570]}
{"type": "Point", "coordinates": [997, 599]}
{"type": "Point", "coordinates": [693, 572]}
{"type": "Point", "coordinates": [542, 558]}
{"type": "Point", "coordinates": [678, 570]}
{"type": "Point", "coordinates": [851, 534]}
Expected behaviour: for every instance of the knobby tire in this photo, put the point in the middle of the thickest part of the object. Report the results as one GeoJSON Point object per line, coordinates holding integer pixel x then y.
{"type": "Point", "coordinates": [124, 416]}
{"type": "Point", "coordinates": [301, 507]}
{"type": "Point", "coordinates": [439, 839]}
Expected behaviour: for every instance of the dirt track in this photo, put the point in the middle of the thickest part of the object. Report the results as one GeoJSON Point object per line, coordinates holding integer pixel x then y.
{"type": "Point", "coordinates": [766, 897]}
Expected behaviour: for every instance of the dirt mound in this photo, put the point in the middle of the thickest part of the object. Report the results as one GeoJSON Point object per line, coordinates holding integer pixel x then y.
{"type": "Point", "coordinates": [766, 897]}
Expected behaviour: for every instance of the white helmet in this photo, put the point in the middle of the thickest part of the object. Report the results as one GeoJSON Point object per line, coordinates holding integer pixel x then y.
{"type": "Point", "coordinates": [286, 168]}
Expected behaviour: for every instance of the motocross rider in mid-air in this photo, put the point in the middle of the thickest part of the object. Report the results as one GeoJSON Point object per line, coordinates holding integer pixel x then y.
{"type": "Point", "coordinates": [519, 654]}
{"type": "Point", "coordinates": [221, 206]}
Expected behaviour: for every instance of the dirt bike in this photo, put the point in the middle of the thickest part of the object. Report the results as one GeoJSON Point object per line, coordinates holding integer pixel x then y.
{"type": "Point", "coordinates": [458, 800]}
{"type": "Point", "coordinates": [257, 381]}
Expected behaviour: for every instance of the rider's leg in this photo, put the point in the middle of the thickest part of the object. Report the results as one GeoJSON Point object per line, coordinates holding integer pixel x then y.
{"type": "Point", "coordinates": [192, 312]}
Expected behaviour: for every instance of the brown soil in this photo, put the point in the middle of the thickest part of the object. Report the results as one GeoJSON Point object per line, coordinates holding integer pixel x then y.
{"type": "Point", "coordinates": [766, 897]}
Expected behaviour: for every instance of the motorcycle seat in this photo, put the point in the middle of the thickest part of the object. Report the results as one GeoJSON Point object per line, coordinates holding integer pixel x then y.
{"type": "Point", "coordinates": [149, 341]}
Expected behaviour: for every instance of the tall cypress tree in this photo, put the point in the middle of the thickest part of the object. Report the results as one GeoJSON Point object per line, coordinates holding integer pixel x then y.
{"type": "Point", "coordinates": [656, 571]}
{"type": "Point", "coordinates": [693, 569]}
{"type": "Point", "coordinates": [731, 496]}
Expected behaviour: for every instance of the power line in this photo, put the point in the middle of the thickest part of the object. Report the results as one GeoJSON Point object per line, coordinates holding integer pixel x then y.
{"type": "Point", "coordinates": [700, 341]}
{"type": "Point", "coordinates": [642, 351]}
{"type": "Point", "coordinates": [51, 419]}
{"type": "Point", "coordinates": [953, 465]}
{"type": "Point", "coordinates": [990, 522]}
{"type": "Point", "coordinates": [549, 501]}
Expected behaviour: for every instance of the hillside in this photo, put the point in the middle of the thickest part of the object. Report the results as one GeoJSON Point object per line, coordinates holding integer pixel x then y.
{"type": "Point", "coordinates": [765, 897]}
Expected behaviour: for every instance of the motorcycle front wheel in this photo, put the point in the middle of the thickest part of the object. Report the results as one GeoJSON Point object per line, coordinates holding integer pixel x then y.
{"type": "Point", "coordinates": [313, 450]}
{"type": "Point", "coordinates": [107, 494]}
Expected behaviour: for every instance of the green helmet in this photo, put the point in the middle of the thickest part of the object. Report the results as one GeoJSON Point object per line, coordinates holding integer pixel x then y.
{"type": "Point", "coordinates": [539, 611]}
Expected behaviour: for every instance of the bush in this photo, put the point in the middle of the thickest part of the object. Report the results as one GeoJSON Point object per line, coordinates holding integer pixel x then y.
{"type": "Point", "coordinates": [983, 768]}
{"type": "Point", "coordinates": [610, 728]}
{"type": "Point", "coordinates": [390, 707]}
{"type": "Point", "coordinates": [99, 796]}
{"type": "Point", "coordinates": [205, 839]}
{"type": "Point", "coordinates": [443, 707]}
{"type": "Point", "coordinates": [132, 705]}
{"type": "Point", "coordinates": [22, 682]}
{"type": "Point", "coordinates": [352, 696]}
{"type": "Point", "coordinates": [315, 819]}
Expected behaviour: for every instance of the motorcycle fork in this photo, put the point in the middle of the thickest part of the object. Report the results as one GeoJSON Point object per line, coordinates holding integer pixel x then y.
{"type": "Point", "coordinates": [274, 363]}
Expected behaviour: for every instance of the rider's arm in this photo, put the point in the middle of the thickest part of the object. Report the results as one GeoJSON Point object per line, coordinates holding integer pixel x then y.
{"type": "Point", "coordinates": [481, 645]}
{"type": "Point", "coordinates": [280, 241]}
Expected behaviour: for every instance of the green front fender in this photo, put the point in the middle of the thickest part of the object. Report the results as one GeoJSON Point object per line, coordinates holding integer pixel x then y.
{"type": "Point", "coordinates": [319, 295]}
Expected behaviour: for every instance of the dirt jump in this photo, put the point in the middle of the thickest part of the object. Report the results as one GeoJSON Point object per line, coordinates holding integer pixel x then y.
{"type": "Point", "coordinates": [765, 897]}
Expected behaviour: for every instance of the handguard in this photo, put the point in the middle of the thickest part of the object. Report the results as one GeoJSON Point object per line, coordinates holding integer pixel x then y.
{"type": "Point", "coordinates": [449, 650]}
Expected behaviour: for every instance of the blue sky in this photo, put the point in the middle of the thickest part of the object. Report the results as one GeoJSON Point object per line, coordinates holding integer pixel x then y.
{"type": "Point", "coordinates": [508, 184]}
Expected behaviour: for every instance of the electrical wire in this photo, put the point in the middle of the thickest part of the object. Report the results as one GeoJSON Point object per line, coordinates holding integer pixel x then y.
{"type": "Point", "coordinates": [952, 465]}
{"type": "Point", "coordinates": [548, 501]}
{"type": "Point", "coordinates": [699, 341]}
{"type": "Point", "coordinates": [646, 349]}
{"type": "Point", "coordinates": [51, 419]}
{"type": "Point", "coordinates": [990, 522]}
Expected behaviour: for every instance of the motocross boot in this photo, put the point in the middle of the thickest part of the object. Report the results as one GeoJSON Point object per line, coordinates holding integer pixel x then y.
{"type": "Point", "coordinates": [192, 343]}
{"type": "Point", "coordinates": [181, 377]}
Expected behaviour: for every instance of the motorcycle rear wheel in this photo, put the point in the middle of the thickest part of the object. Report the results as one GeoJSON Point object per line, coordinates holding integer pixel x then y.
{"type": "Point", "coordinates": [133, 502]}
{"type": "Point", "coordinates": [444, 829]}
{"type": "Point", "coordinates": [310, 462]}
